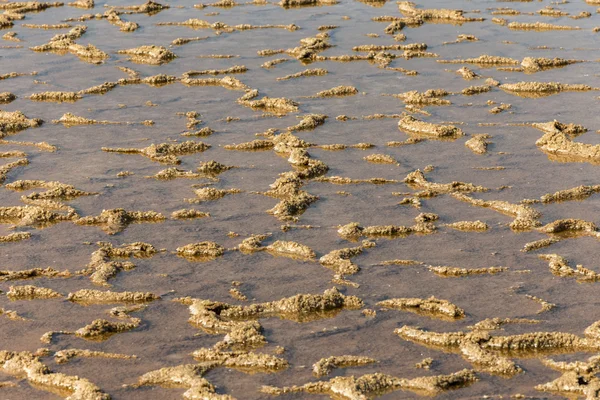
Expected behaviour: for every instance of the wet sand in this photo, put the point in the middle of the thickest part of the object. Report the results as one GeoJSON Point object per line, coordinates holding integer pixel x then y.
{"type": "Point", "coordinates": [316, 117]}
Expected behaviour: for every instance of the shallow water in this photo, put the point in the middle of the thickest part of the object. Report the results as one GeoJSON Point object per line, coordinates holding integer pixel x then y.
{"type": "Point", "coordinates": [164, 337]}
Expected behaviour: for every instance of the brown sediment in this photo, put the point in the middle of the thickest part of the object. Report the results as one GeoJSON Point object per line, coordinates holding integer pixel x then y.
{"type": "Point", "coordinates": [325, 365]}
{"type": "Point", "coordinates": [202, 251]}
{"type": "Point", "coordinates": [577, 193]}
{"type": "Point", "coordinates": [540, 26]}
{"type": "Point", "coordinates": [82, 4]}
{"type": "Point", "coordinates": [252, 244]}
{"type": "Point", "coordinates": [16, 121]}
{"type": "Point", "coordinates": [467, 73]}
{"type": "Point", "coordinates": [531, 64]}
{"type": "Point", "coordinates": [409, 9]}
{"type": "Point", "coordinates": [408, 141]}
{"type": "Point", "coordinates": [254, 145]}
{"type": "Point", "coordinates": [539, 244]}
{"type": "Point", "coordinates": [43, 146]}
{"type": "Point", "coordinates": [410, 124]}
{"type": "Point", "coordinates": [12, 36]}
{"type": "Point", "coordinates": [15, 237]}
{"type": "Point", "coordinates": [291, 250]}
{"type": "Point", "coordinates": [174, 173]}
{"type": "Point", "coordinates": [12, 315]}
{"type": "Point", "coordinates": [308, 122]}
{"type": "Point", "coordinates": [457, 271]}
{"type": "Point", "coordinates": [305, 73]}
{"type": "Point", "coordinates": [90, 296]}
{"type": "Point", "coordinates": [64, 356]}
{"type": "Point", "coordinates": [469, 226]}
{"type": "Point", "coordinates": [33, 216]}
{"type": "Point", "coordinates": [30, 292]}
{"type": "Point", "coordinates": [46, 26]}
{"type": "Point", "coordinates": [203, 132]}
{"type": "Point", "coordinates": [570, 227]}
{"type": "Point", "coordinates": [245, 361]}
{"type": "Point", "coordinates": [210, 194]}
{"type": "Point", "coordinates": [64, 43]}
{"type": "Point", "coordinates": [6, 168]}
{"type": "Point", "coordinates": [558, 144]}
{"type": "Point", "coordinates": [276, 105]}
{"type": "Point", "coordinates": [338, 180]}
{"type": "Point", "coordinates": [525, 217]}
{"type": "Point", "coordinates": [579, 378]}
{"type": "Point", "coordinates": [213, 168]}
{"type": "Point", "coordinates": [243, 331]}
{"type": "Point", "coordinates": [500, 108]}
{"type": "Point", "coordinates": [417, 180]}
{"type": "Point", "coordinates": [559, 266]}
{"type": "Point", "coordinates": [32, 273]}
{"type": "Point", "coordinates": [463, 38]}
{"type": "Point", "coordinates": [182, 41]}
{"type": "Point", "coordinates": [433, 307]}
{"type": "Point", "coordinates": [186, 376]}
{"type": "Point", "coordinates": [236, 69]}
{"type": "Point", "coordinates": [27, 365]}
{"type": "Point", "coordinates": [483, 60]}
{"type": "Point", "coordinates": [546, 306]}
{"type": "Point", "coordinates": [152, 55]}
{"type": "Point", "coordinates": [478, 143]}
{"type": "Point", "coordinates": [490, 353]}
{"type": "Point", "coordinates": [505, 11]}
{"type": "Point", "coordinates": [471, 90]}
{"type": "Point", "coordinates": [380, 159]}
{"type": "Point", "coordinates": [301, 3]}
{"type": "Point", "coordinates": [165, 153]}
{"type": "Point", "coordinates": [430, 97]}
{"type": "Point", "coordinates": [188, 214]}
{"type": "Point", "coordinates": [537, 89]}
{"type": "Point", "coordinates": [237, 294]}
{"type": "Point", "coordinates": [102, 329]}
{"type": "Point", "coordinates": [272, 63]}
{"type": "Point", "coordinates": [116, 220]}
{"type": "Point", "coordinates": [369, 386]}
{"type": "Point", "coordinates": [59, 97]}
{"type": "Point", "coordinates": [552, 12]}
{"type": "Point", "coordinates": [339, 260]}
{"type": "Point", "coordinates": [337, 91]}
{"type": "Point", "coordinates": [102, 265]}
{"type": "Point", "coordinates": [7, 97]}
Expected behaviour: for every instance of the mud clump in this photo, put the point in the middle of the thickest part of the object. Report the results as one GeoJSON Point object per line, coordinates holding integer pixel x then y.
{"type": "Point", "coordinates": [338, 91]}
{"type": "Point", "coordinates": [431, 306]}
{"type": "Point", "coordinates": [305, 73]}
{"type": "Point", "coordinates": [29, 292]}
{"type": "Point", "coordinates": [165, 153]}
{"type": "Point", "coordinates": [254, 145]}
{"type": "Point", "coordinates": [308, 122]}
{"type": "Point", "coordinates": [211, 194]}
{"type": "Point", "coordinates": [483, 60]}
{"type": "Point", "coordinates": [469, 226]}
{"type": "Point", "coordinates": [531, 64]}
{"type": "Point", "coordinates": [412, 125]}
{"type": "Point", "coordinates": [64, 356]}
{"type": "Point", "coordinates": [116, 220]}
{"type": "Point", "coordinates": [202, 251]}
{"type": "Point", "coordinates": [90, 296]}
{"type": "Point", "coordinates": [152, 55]}
{"type": "Point", "coordinates": [368, 386]}
{"type": "Point", "coordinates": [325, 365]}
{"type": "Point", "coordinates": [478, 143]}
{"type": "Point", "coordinates": [577, 193]}
{"type": "Point", "coordinates": [526, 217]}
{"type": "Point", "coordinates": [16, 121]}
{"type": "Point", "coordinates": [557, 143]}
{"type": "Point", "coordinates": [188, 214]}
{"type": "Point", "coordinates": [458, 272]}
{"type": "Point", "coordinates": [540, 26]}
{"type": "Point", "coordinates": [15, 237]}
{"type": "Point", "coordinates": [32, 273]}
{"type": "Point", "coordinates": [529, 89]}
{"type": "Point", "coordinates": [430, 97]}
{"type": "Point", "coordinates": [417, 180]}
{"type": "Point", "coordinates": [559, 266]}
{"type": "Point", "coordinates": [291, 250]}
{"type": "Point", "coordinates": [26, 364]}
{"type": "Point", "coordinates": [59, 97]}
